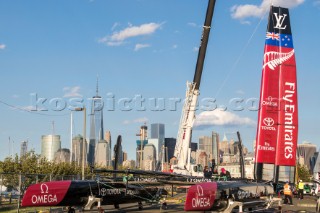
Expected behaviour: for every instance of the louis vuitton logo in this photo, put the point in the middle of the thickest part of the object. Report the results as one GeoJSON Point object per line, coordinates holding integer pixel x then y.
{"type": "Point", "coordinates": [280, 19]}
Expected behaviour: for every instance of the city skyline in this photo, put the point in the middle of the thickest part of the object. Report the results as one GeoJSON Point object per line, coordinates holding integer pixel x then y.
{"type": "Point", "coordinates": [143, 56]}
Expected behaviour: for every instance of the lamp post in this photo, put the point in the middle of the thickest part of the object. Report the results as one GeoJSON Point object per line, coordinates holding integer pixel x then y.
{"type": "Point", "coordinates": [84, 137]}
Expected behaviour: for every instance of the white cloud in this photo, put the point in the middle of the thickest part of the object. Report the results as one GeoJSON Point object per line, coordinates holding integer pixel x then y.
{"type": "Point", "coordinates": [249, 10]}
{"type": "Point", "coordinates": [141, 120]}
{"type": "Point", "coordinates": [114, 26]}
{"type": "Point", "coordinates": [118, 38]}
{"type": "Point", "coordinates": [138, 120]}
{"type": "Point", "coordinates": [221, 118]}
{"type": "Point", "coordinates": [2, 46]}
{"type": "Point", "coordinates": [126, 122]}
{"type": "Point", "coordinates": [240, 92]}
{"type": "Point", "coordinates": [30, 108]}
{"type": "Point", "coordinates": [192, 24]}
{"type": "Point", "coordinates": [140, 46]}
{"type": "Point", "coordinates": [71, 92]}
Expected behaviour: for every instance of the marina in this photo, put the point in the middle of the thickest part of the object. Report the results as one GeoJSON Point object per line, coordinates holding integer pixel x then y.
{"type": "Point", "coordinates": [274, 177]}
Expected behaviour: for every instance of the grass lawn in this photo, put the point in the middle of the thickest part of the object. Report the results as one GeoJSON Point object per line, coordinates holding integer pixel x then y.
{"type": "Point", "coordinates": [13, 208]}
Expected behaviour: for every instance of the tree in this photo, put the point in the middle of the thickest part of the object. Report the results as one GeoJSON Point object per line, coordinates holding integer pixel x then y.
{"type": "Point", "coordinates": [34, 168]}
{"type": "Point", "coordinates": [304, 174]}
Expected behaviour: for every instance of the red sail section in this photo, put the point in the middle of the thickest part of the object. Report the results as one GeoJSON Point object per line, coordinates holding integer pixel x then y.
{"type": "Point", "coordinates": [288, 114]}
{"type": "Point", "coordinates": [278, 114]}
{"type": "Point", "coordinates": [268, 112]}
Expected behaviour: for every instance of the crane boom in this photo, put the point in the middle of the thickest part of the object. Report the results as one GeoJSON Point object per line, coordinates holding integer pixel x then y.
{"type": "Point", "coordinates": [181, 151]}
{"type": "Point", "coordinates": [203, 44]}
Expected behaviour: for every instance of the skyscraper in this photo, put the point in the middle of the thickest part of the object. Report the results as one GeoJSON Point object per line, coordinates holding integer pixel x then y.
{"type": "Point", "coordinates": [96, 125]}
{"type": "Point", "coordinates": [149, 157]}
{"type": "Point", "coordinates": [101, 157]}
{"type": "Point", "coordinates": [62, 156]}
{"type": "Point", "coordinates": [140, 145]}
{"type": "Point", "coordinates": [50, 144]}
{"type": "Point", "coordinates": [170, 144]}
{"type": "Point", "coordinates": [107, 137]}
{"type": "Point", "coordinates": [157, 138]}
{"type": "Point", "coordinates": [215, 146]}
{"type": "Point", "coordinates": [157, 131]}
{"type": "Point", "coordinates": [23, 148]}
{"type": "Point", "coordinates": [305, 152]}
{"type": "Point", "coordinates": [205, 144]}
{"type": "Point", "coordinates": [77, 148]}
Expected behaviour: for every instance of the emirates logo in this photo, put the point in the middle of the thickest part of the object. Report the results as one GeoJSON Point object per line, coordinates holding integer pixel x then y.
{"type": "Point", "coordinates": [268, 121]}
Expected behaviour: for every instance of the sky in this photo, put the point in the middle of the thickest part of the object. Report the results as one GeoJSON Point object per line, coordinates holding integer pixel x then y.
{"type": "Point", "coordinates": [143, 52]}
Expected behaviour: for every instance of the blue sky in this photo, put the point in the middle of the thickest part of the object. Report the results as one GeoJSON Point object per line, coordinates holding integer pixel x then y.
{"type": "Point", "coordinates": [143, 50]}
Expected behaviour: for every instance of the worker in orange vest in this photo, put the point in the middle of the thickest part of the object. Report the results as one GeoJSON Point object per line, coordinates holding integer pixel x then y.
{"type": "Point", "coordinates": [287, 193]}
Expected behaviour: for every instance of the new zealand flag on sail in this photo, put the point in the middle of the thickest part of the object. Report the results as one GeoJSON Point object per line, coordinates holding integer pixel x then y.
{"type": "Point", "coordinates": [276, 39]}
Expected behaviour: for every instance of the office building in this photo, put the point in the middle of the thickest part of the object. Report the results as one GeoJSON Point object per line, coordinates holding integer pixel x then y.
{"type": "Point", "coordinates": [102, 154]}
{"type": "Point", "coordinates": [125, 156]}
{"type": "Point", "coordinates": [215, 146]}
{"type": "Point", "coordinates": [157, 139]}
{"type": "Point", "coordinates": [120, 153]}
{"type": "Point", "coordinates": [143, 135]}
{"type": "Point", "coordinates": [62, 156]}
{"type": "Point", "coordinates": [77, 148]}
{"type": "Point", "coordinates": [305, 153]}
{"type": "Point", "coordinates": [170, 144]}
{"type": "Point", "coordinates": [129, 164]}
{"type": "Point", "coordinates": [96, 125]}
{"type": "Point", "coordinates": [149, 157]}
{"type": "Point", "coordinates": [107, 137]}
{"type": "Point", "coordinates": [205, 144]}
{"type": "Point", "coordinates": [50, 144]}
{"type": "Point", "coordinates": [158, 131]}
{"type": "Point", "coordinates": [23, 148]}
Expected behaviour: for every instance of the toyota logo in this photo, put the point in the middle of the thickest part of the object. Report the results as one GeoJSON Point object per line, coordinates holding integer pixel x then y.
{"type": "Point", "coordinates": [103, 191]}
{"type": "Point", "coordinates": [268, 121]}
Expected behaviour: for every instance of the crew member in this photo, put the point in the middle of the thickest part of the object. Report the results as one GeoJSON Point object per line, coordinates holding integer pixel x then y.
{"type": "Point", "coordinates": [287, 193]}
{"type": "Point", "coordinates": [225, 173]}
{"type": "Point", "coordinates": [300, 189]}
{"type": "Point", "coordinates": [206, 172]}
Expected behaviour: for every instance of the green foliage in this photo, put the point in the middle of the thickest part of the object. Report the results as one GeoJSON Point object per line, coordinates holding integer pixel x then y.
{"type": "Point", "coordinates": [304, 173]}
{"type": "Point", "coordinates": [34, 168]}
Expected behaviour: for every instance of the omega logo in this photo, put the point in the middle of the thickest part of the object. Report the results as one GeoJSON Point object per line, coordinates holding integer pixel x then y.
{"type": "Point", "coordinates": [44, 188]}
{"type": "Point", "coordinates": [200, 190]}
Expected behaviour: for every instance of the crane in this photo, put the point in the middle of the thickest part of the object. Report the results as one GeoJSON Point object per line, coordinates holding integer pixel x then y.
{"type": "Point", "coordinates": [182, 151]}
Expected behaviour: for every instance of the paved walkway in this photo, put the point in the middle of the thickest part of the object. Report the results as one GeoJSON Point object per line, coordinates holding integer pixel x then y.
{"type": "Point", "coordinates": [308, 205]}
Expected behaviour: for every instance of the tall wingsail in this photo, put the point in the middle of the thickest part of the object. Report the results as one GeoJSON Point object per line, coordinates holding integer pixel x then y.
{"type": "Point", "coordinates": [277, 128]}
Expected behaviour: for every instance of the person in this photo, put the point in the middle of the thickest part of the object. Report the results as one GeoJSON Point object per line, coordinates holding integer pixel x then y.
{"type": "Point", "coordinates": [71, 210]}
{"type": "Point", "coordinates": [300, 189]}
{"type": "Point", "coordinates": [225, 173]}
{"type": "Point", "coordinates": [287, 193]}
{"type": "Point", "coordinates": [10, 197]}
{"type": "Point", "coordinates": [206, 172]}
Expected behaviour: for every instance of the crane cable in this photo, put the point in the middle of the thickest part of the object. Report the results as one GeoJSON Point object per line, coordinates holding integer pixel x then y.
{"type": "Point", "coordinates": [240, 55]}
{"type": "Point", "coordinates": [30, 111]}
